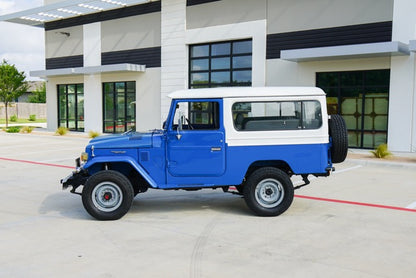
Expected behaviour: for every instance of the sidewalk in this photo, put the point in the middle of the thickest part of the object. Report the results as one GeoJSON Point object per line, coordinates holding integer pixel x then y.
{"type": "Point", "coordinates": [397, 159]}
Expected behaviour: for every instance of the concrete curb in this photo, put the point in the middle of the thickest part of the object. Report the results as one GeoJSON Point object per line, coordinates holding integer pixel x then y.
{"type": "Point", "coordinates": [383, 163]}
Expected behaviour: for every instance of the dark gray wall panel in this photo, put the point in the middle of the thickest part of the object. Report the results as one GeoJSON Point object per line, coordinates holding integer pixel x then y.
{"type": "Point", "coordinates": [197, 2]}
{"type": "Point", "coordinates": [336, 36]}
{"type": "Point", "coordinates": [64, 62]}
{"type": "Point", "coordinates": [151, 57]}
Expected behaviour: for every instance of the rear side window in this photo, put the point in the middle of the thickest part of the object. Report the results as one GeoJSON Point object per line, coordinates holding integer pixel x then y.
{"type": "Point", "coordinates": [275, 115]}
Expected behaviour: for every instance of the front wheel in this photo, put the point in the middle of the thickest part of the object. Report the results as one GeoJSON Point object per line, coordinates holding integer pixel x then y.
{"type": "Point", "coordinates": [107, 195]}
{"type": "Point", "coordinates": [268, 191]}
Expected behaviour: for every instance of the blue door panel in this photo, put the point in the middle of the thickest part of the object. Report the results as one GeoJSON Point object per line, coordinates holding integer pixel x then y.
{"type": "Point", "coordinates": [197, 153]}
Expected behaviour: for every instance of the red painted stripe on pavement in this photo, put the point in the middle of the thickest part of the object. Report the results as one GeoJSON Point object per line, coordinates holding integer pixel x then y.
{"type": "Point", "coordinates": [297, 196]}
{"type": "Point", "coordinates": [36, 163]}
{"type": "Point", "coordinates": [354, 203]}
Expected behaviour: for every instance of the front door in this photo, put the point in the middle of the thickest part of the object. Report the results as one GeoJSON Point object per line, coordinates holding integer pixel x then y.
{"type": "Point", "coordinates": [196, 140]}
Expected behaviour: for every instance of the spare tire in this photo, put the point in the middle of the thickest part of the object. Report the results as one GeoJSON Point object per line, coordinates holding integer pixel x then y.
{"type": "Point", "coordinates": [339, 134]}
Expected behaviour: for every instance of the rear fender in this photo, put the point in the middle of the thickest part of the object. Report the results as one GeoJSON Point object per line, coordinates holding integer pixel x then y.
{"type": "Point", "coordinates": [121, 159]}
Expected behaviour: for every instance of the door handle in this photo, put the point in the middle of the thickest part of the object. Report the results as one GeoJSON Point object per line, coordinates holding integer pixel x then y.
{"type": "Point", "coordinates": [216, 149]}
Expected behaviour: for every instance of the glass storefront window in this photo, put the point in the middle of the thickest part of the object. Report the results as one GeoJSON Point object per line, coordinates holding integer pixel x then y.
{"type": "Point", "coordinates": [220, 64]}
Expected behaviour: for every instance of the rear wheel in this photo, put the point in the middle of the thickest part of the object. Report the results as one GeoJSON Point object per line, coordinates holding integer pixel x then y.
{"type": "Point", "coordinates": [268, 191]}
{"type": "Point", "coordinates": [107, 195]}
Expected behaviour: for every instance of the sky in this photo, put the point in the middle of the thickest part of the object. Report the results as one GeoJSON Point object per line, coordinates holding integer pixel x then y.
{"type": "Point", "coordinates": [22, 45]}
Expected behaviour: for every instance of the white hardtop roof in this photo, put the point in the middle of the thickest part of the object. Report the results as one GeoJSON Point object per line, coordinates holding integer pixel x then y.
{"type": "Point", "coordinates": [233, 92]}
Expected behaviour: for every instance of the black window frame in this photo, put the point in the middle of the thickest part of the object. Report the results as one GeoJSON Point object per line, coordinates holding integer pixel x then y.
{"type": "Point", "coordinates": [210, 71]}
{"type": "Point", "coordinates": [364, 86]}
{"type": "Point", "coordinates": [115, 120]}
{"type": "Point", "coordinates": [66, 119]}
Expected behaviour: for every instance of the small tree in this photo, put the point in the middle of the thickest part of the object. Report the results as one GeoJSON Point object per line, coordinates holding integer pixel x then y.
{"type": "Point", "coordinates": [38, 95]}
{"type": "Point", "coordinates": [12, 85]}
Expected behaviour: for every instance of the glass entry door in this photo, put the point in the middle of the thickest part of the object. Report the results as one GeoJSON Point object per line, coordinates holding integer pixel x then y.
{"type": "Point", "coordinates": [119, 106]}
{"type": "Point", "coordinates": [71, 106]}
{"type": "Point", "coordinates": [362, 99]}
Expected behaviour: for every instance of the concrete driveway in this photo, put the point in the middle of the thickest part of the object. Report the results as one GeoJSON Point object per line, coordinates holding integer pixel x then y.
{"type": "Point", "coordinates": [360, 222]}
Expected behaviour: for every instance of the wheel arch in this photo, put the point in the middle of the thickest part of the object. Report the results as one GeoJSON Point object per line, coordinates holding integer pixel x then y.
{"type": "Point", "coordinates": [279, 164]}
{"type": "Point", "coordinates": [124, 165]}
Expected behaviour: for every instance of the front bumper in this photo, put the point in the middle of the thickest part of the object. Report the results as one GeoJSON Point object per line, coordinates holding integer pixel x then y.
{"type": "Point", "coordinates": [75, 179]}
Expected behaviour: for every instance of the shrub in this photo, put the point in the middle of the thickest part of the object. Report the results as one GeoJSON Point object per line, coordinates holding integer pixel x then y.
{"type": "Point", "coordinates": [93, 134]}
{"type": "Point", "coordinates": [27, 129]}
{"type": "Point", "coordinates": [61, 131]}
{"type": "Point", "coordinates": [32, 117]}
{"type": "Point", "coordinates": [13, 118]}
{"type": "Point", "coordinates": [381, 151]}
{"type": "Point", "coordinates": [13, 129]}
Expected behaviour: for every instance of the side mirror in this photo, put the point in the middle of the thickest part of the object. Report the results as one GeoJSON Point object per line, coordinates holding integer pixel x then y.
{"type": "Point", "coordinates": [179, 128]}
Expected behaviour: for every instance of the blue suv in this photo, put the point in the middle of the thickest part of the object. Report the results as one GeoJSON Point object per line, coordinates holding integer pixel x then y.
{"type": "Point", "coordinates": [252, 138]}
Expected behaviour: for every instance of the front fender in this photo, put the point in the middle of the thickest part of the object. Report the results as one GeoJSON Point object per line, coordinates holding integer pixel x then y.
{"type": "Point", "coordinates": [121, 159]}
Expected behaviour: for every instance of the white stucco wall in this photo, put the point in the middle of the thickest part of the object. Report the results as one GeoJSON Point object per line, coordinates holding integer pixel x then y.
{"type": "Point", "coordinates": [174, 51]}
{"type": "Point", "coordinates": [64, 42]}
{"type": "Point", "coordinates": [402, 114]}
{"type": "Point", "coordinates": [288, 15]}
{"type": "Point", "coordinates": [93, 103]}
{"type": "Point", "coordinates": [132, 32]}
{"type": "Point", "coordinates": [285, 73]}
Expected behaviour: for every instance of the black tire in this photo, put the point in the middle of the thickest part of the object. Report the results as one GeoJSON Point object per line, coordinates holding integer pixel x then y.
{"type": "Point", "coordinates": [107, 195]}
{"type": "Point", "coordinates": [339, 134]}
{"type": "Point", "coordinates": [268, 191]}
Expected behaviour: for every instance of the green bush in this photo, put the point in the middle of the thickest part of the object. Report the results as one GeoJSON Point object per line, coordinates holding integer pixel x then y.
{"type": "Point", "coordinates": [13, 118]}
{"type": "Point", "coordinates": [381, 151]}
{"type": "Point", "coordinates": [93, 134]}
{"type": "Point", "coordinates": [27, 129]}
{"type": "Point", "coordinates": [13, 129]}
{"type": "Point", "coordinates": [61, 131]}
{"type": "Point", "coordinates": [32, 117]}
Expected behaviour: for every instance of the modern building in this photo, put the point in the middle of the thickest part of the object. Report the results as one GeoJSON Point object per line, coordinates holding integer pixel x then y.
{"type": "Point", "coordinates": [111, 63]}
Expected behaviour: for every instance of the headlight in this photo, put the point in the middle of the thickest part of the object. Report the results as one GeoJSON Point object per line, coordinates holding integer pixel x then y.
{"type": "Point", "coordinates": [84, 156]}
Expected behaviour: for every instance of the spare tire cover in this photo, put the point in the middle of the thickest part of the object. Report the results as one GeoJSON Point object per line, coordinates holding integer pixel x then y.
{"type": "Point", "coordinates": [339, 134]}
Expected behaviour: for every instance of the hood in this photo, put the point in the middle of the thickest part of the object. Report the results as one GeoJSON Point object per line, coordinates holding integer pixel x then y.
{"type": "Point", "coordinates": [123, 141]}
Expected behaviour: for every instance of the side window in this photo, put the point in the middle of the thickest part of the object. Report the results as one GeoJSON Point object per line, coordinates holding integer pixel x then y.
{"type": "Point", "coordinates": [197, 115]}
{"type": "Point", "coordinates": [285, 115]}
{"type": "Point", "coordinates": [312, 115]}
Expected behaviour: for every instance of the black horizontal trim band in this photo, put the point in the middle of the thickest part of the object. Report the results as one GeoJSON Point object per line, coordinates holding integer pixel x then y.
{"type": "Point", "coordinates": [198, 2]}
{"type": "Point", "coordinates": [335, 36]}
{"type": "Point", "coordinates": [151, 57]}
{"type": "Point", "coordinates": [150, 7]}
{"type": "Point", "coordinates": [64, 62]}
